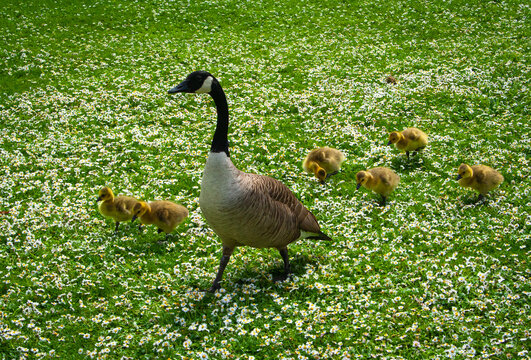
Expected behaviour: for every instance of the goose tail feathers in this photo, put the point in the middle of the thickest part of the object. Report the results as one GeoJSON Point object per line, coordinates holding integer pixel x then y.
{"type": "Point", "coordinates": [320, 236]}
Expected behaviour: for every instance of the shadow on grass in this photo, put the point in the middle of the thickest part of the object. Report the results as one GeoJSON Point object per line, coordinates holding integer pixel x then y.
{"type": "Point", "coordinates": [402, 165]}
{"type": "Point", "coordinates": [259, 277]}
{"type": "Point", "coordinates": [472, 200]}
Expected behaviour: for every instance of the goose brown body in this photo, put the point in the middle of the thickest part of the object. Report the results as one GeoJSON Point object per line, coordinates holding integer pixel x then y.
{"type": "Point", "coordinates": [323, 162]}
{"type": "Point", "coordinates": [165, 215]}
{"type": "Point", "coordinates": [250, 209]}
{"type": "Point", "coordinates": [118, 208]}
{"type": "Point", "coordinates": [481, 178]}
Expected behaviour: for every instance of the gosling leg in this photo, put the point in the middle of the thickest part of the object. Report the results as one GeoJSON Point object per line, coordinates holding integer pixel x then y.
{"type": "Point", "coordinates": [227, 252]}
{"type": "Point", "coordinates": [407, 154]}
{"type": "Point", "coordinates": [332, 173]}
{"type": "Point", "coordinates": [287, 267]}
{"type": "Point", "coordinates": [383, 201]}
{"type": "Point", "coordinates": [116, 227]}
{"type": "Point", "coordinates": [481, 198]}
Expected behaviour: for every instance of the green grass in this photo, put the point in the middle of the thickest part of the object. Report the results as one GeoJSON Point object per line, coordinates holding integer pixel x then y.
{"type": "Point", "coordinates": [84, 104]}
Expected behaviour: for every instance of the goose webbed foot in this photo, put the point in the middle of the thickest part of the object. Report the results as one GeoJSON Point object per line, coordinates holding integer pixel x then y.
{"type": "Point", "coordinates": [287, 267]}
{"type": "Point", "coordinates": [227, 252]}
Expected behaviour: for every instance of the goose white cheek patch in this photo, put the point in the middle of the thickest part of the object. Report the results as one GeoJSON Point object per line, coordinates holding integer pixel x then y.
{"type": "Point", "coordinates": [206, 87]}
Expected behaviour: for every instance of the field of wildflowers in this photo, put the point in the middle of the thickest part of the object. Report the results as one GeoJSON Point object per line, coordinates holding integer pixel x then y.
{"type": "Point", "coordinates": [83, 104]}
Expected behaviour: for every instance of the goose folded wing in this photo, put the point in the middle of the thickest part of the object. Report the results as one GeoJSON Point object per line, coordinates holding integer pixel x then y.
{"type": "Point", "coordinates": [285, 199]}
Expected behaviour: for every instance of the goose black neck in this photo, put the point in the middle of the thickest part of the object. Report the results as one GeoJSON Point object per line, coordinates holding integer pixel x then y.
{"type": "Point", "coordinates": [220, 142]}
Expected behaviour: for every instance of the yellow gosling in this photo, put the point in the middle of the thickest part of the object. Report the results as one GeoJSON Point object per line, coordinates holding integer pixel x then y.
{"type": "Point", "coordinates": [410, 139]}
{"type": "Point", "coordinates": [381, 180]}
{"type": "Point", "coordinates": [480, 178]}
{"type": "Point", "coordinates": [323, 162]}
{"type": "Point", "coordinates": [165, 215]}
{"type": "Point", "coordinates": [118, 208]}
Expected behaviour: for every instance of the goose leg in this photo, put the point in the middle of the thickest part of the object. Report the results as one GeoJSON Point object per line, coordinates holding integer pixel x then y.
{"type": "Point", "coordinates": [116, 227]}
{"type": "Point", "coordinates": [287, 267]}
{"type": "Point", "coordinates": [480, 198]}
{"type": "Point", "coordinates": [414, 153]}
{"type": "Point", "coordinates": [227, 252]}
{"type": "Point", "coordinates": [407, 154]}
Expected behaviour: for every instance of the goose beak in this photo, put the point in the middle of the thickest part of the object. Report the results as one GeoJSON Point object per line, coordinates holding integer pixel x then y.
{"type": "Point", "coordinates": [358, 186]}
{"type": "Point", "coordinates": [134, 218]}
{"type": "Point", "coordinates": [459, 177]}
{"type": "Point", "coordinates": [99, 199]}
{"type": "Point", "coordinates": [389, 142]}
{"type": "Point", "coordinates": [182, 87]}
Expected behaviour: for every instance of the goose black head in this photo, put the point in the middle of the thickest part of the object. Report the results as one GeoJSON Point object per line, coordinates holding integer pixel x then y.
{"type": "Point", "coordinates": [198, 82]}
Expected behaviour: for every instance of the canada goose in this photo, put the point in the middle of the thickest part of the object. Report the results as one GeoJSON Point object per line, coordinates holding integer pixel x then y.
{"type": "Point", "coordinates": [166, 215]}
{"type": "Point", "coordinates": [479, 177]}
{"type": "Point", "coordinates": [118, 208]}
{"type": "Point", "coordinates": [410, 139]}
{"type": "Point", "coordinates": [323, 162]}
{"type": "Point", "coordinates": [381, 180]}
{"type": "Point", "coordinates": [245, 209]}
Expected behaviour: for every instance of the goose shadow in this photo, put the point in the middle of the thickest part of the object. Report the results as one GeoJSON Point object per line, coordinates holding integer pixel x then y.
{"type": "Point", "coordinates": [264, 279]}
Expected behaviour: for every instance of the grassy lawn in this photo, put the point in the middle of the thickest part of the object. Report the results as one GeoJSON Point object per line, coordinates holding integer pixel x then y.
{"type": "Point", "coordinates": [84, 103]}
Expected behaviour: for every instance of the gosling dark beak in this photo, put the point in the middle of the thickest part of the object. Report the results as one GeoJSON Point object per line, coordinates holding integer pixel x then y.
{"type": "Point", "coordinates": [134, 218]}
{"type": "Point", "coordinates": [99, 199]}
{"type": "Point", "coordinates": [459, 177]}
{"type": "Point", "coordinates": [389, 142]}
{"type": "Point", "coordinates": [182, 87]}
{"type": "Point", "coordinates": [358, 186]}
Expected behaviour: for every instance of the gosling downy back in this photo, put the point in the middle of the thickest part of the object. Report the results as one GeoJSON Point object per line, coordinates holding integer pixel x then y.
{"type": "Point", "coordinates": [245, 209]}
{"type": "Point", "coordinates": [481, 178]}
{"type": "Point", "coordinates": [118, 208]}
{"type": "Point", "coordinates": [166, 215]}
{"type": "Point", "coordinates": [410, 139]}
{"type": "Point", "coordinates": [323, 162]}
{"type": "Point", "coordinates": [381, 180]}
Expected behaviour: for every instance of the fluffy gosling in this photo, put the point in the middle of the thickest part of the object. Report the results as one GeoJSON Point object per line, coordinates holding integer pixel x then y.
{"type": "Point", "coordinates": [118, 208]}
{"type": "Point", "coordinates": [480, 178]}
{"type": "Point", "coordinates": [381, 180]}
{"type": "Point", "coordinates": [410, 139]}
{"type": "Point", "coordinates": [323, 162]}
{"type": "Point", "coordinates": [166, 215]}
